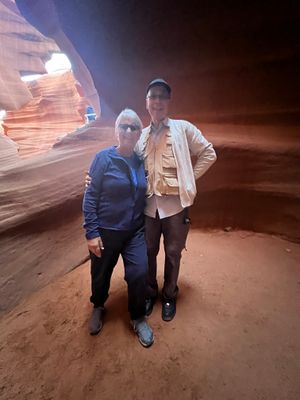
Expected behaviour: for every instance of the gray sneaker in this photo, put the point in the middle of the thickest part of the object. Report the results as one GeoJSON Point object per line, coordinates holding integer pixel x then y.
{"type": "Point", "coordinates": [143, 331]}
{"type": "Point", "coordinates": [96, 321]}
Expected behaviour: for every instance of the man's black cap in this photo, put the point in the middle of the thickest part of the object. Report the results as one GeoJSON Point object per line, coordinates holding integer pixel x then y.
{"type": "Point", "coordinates": [159, 82]}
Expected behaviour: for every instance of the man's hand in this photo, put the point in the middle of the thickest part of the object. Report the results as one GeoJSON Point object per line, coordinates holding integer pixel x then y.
{"type": "Point", "coordinates": [95, 246]}
{"type": "Point", "coordinates": [87, 180]}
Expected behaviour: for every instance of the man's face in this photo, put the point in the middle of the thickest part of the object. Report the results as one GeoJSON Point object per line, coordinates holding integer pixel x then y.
{"type": "Point", "coordinates": [157, 103]}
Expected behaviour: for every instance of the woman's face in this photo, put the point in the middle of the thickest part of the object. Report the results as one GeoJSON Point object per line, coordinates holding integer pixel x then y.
{"type": "Point", "coordinates": [128, 133]}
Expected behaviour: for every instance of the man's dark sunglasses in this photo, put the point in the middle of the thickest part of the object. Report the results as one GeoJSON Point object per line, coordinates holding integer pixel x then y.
{"type": "Point", "coordinates": [132, 127]}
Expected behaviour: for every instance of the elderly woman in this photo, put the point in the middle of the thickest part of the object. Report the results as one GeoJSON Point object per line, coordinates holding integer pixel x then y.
{"type": "Point", "coordinates": [114, 222]}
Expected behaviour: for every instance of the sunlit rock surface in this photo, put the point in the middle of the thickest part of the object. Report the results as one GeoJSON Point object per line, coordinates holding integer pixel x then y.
{"type": "Point", "coordinates": [56, 108]}
{"type": "Point", "coordinates": [23, 50]}
{"type": "Point", "coordinates": [43, 15]}
{"type": "Point", "coordinates": [8, 152]}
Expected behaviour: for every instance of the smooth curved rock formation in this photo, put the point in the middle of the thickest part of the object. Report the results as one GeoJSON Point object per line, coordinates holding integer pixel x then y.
{"type": "Point", "coordinates": [9, 152]}
{"type": "Point", "coordinates": [23, 50]}
{"type": "Point", "coordinates": [56, 109]}
{"type": "Point", "coordinates": [255, 184]}
{"type": "Point", "coordinates": [43, 15]}
{"type": "Point", "coordinates": [40, 214]}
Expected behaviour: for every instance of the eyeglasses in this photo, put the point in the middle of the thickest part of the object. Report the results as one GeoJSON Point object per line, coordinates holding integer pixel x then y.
{"type": "Point", "coordinates": [132, 127]}
{"type": "Point", "coordinates": [158, 97]}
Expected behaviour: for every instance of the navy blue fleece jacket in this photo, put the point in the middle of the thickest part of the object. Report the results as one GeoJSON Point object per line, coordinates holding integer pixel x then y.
{"type": "Point", "coordinates": [115, 199]}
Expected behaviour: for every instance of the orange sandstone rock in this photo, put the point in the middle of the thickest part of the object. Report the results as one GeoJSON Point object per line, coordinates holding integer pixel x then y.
{"type": "Point", "coordinates": [56, 108]}
{"type": "Point", "coordinates": [23, 49]}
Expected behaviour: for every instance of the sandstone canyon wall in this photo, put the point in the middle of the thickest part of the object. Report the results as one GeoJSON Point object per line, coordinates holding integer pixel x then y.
{"type": "Point", "coordinates": [56, 108]}
{"type": "Point", "coordinates": [254, 186]}
{"type": "Point", "coordinates": [24, 50]}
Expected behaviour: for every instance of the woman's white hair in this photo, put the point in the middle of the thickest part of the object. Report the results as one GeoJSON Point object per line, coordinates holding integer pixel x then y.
{"type": "Point", "coordinates": [128, 113]}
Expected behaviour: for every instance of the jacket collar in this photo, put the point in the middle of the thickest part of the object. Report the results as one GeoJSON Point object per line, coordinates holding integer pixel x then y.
{"type": "Point", "coordinates": [114, 154]}
{"type": "Point", "coordinates": [164, 123]}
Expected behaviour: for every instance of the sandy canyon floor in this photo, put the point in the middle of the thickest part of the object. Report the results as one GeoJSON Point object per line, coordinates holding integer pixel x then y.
{"type": "Point", "coordinates": [235, 335]}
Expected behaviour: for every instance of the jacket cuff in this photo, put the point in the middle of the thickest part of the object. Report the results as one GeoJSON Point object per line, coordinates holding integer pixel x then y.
{"type": "Point", "coordinates": [92, 235]}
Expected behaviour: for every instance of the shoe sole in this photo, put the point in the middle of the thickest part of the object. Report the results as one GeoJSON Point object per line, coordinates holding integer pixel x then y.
{"type": "Point", "coordinates": [168, 319]}
{"type": "Point", "coordinates": [148, 313]}
{"type": "Point", "coordinates": [94, 333]}
{"type": "Point", "coordinates": [140, 340]}
{"type": "Point", "coordinates": [146, 344]}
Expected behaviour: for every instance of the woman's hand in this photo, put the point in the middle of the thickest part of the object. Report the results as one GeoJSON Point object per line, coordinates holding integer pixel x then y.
{"type": "Point", "coordinates": [95, 246]}
{"type": "Point", "coordinates": [87, 180]}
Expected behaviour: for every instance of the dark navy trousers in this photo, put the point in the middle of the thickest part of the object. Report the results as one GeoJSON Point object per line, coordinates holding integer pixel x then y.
{"type": "Point", "coordinates": [131, 245]}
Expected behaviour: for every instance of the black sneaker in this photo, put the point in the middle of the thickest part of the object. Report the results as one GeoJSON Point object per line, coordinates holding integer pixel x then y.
{"type": "Point", "coordinates": [149, 305]}
{"type": "Point", "coordinates": [168, 309]}
{"type": "Point", "coordinates": [96, 321]}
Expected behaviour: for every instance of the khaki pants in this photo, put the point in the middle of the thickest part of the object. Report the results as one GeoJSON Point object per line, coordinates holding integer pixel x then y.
{"type": "Point", "coordinates": [174, 230]}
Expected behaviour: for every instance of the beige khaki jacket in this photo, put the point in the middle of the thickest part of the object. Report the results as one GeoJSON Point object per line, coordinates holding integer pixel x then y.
{"type": "Point", "coordinates": [187, 140]}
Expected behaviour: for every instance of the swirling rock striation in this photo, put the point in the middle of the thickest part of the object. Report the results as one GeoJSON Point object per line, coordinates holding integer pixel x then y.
{"type": "Point", "coordinates": [56, 108]}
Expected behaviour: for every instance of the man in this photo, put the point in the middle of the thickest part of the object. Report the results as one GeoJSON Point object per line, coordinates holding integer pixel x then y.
{"type": "Point", "coordinates": [167, 146]}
